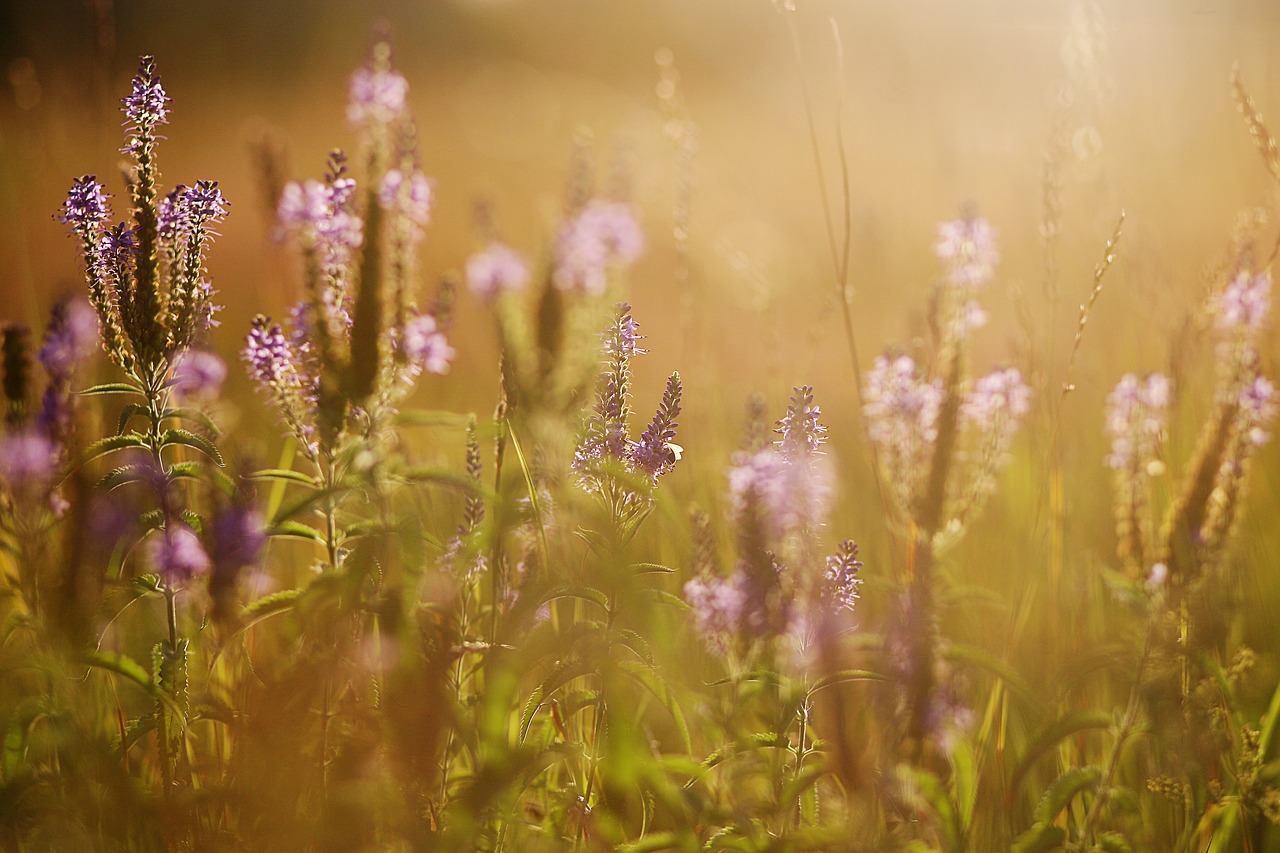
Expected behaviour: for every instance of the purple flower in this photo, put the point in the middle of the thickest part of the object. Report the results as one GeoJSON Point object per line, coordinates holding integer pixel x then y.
{"type": "Point", "coordinates": [496, 270]}
{"type": "Point", "coordinates": [654, 453]}
{"type": "Point", "coordinates": [604, 234]}
{"type": "Point", "coordinates": [176, 554]}
{"type": "Point", "coordinates": [901, 408]}
{"type": "Point", "coordinates": [1136, 414]}
{"type": "Point", "coordinates": [146, 106]}
{"type": "Point", "coordinates": [412, 196]}
{"type": "Point", "coordinates": [86, 207]}
{"type": "Point", "coordinates": [72, 337]}
{"type": "Point", "coordinates": [198, 374]}
{"type": "Point", "coordinates": [788, 496]}
{"type": "Point", "coordinates": [1257, 409]}
{"type": "Point", "coordinates": [425, 345]}
{"type": "Point", "coordinates": [718, 605]}
{"type": "Point", "coordinates": [995, 406]}
{"type": "Point", "coordinates": [239, 536]}
{"type": "Point", "coordinates": [376, 97]}
{"type": "Point", "coordinates": [801, 432]}
{"type": "Point", "coordinates": [28, 460]}
{"type": "Point", "coordinates": [188, 210]}
{"type": "Point", "coordinates": [968, 247]}
{"type": "Point", "coordinates": [1244, 304]}
{"type": "Point", "coordinates": [842, 581]}
{"type": "Point", "coordinates": [267, 352]}
{"type": "Point", "coordinates": [321, 214]}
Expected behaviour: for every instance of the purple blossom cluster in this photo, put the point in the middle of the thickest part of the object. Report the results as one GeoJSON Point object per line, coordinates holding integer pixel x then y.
{"type": "Point", "coordinates": [29, 461]}
{"type": "Point", "coordinates": [86, 208]}
{"type": "Point", "coordinates": [1257, 407]}
{"type": "Point", "coordinates": [1137, 412]}
{"type": "Point", "coordinates": [718, 605]}
{"type": "Point", "coordinates": [842, 580]}
{"type": "Point", "coordinates": [409, 194]}
{"type": "Point", "coordinates": [285, 371]}
{"type": "Point", "coordinates": [495, 270]}
{"type": "Point", "coordinates": [198, 375]}
{"type": "Point", "coordinates": [72, 337]}
{"type": "Point", "coordinates": [901, 407]}
{"type": "Point", "coordinates": [996, 405]}
{"type": "Point", "coordinates": [604, 235]}
{"type": "Point", "coordinates": [177, 555]}
{"type": "Point", "coordinates": [322, 216]}
{"type": "Point", "coordinates": [377, 96]}
{"type": "Point", "coordinates": [605, 443]}
{"type": "Point", "coordinates": [968, 247]}
{"type": "Point", "coordinates": [1244, 303]}
{"type": "Point", "coordinates": [186, 212]}
{"type": "Point", "coordinates": [425, 346]}
{"type": "Point", "coordinates": [146, 106]}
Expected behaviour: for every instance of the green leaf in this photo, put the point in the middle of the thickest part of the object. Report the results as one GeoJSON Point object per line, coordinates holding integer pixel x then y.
{"type": "Point", "coordinates": [561, 675]}
{"type": "Point", "coordinates": [273, 603]}
{"type": "Point", "coordinates": [655, 841]}
{"type": "Point", "coordinates": [586, 593]}
{"type": "Point", "coordinates": [648, 677]}
{"type": "Point", "coordinates": [125, 474]}
{"type": "Point", "coordinates": [112, 443]}
{"type": "Point", "coordinates": [128, 413]}
{"type": "Point", "coordinates": [652, 569]}
{"type": "Point", "coordinates": [295, 529]}
{"type": "Point", "coordinates": [122, 665]}
{"type": "Point", "coordinates": [283, 475]}
{"type": "Point", "coordinates": [186, 438]}
{"type": "Point", "coordinates": [195, 416]}
{"type": "Point", "coordinates": [1114, 842]}
{"type": "Point", "coordinates": [1051, 735]}
{"type": "Point", "coordinates": [1040, 838]}
{"type": "Point", "coordinates": [661, 596]}
{"type": "Point", "coordinates": [1058, 796]}
{"type": "Point", "coordinates": [197, 470]}
{"type": "Point", "coordinates": [111, 388]}
{"type": "Point", "coordinates": [846, 675]}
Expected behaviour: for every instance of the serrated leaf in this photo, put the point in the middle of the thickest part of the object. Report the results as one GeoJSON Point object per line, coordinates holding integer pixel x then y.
{"type": "Point", "coordinates": [845, 676]}
{"type": "Point", "coordinates": [195, 416]}
{"type": "Point", "coordinates": [123, 475]}
{"type": "Point", "coordinates": [1051, 735]}
{"type": "Point", "coordinates": [652, 569]}
{"type": "Point", "coordinates": [1039, 839]}
{"type": "Point", "coordinates": [197, 470]}
{"type": "Point", "coordinates": [186, 438]}
{"type": "Point", "coordinates": [128, 413]}
{"type": "Point", "coordinates": [150, 582]}
{"type": "Point", "coordinates": [273, 603]}
{"type": "Point", "coordinates": [112, 443]}
{"type": "Point", "coordinates": [661, 596]}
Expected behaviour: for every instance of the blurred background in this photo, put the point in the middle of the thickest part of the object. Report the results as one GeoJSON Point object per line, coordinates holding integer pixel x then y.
{"type": "Point", "coordinates": [1048, 118]}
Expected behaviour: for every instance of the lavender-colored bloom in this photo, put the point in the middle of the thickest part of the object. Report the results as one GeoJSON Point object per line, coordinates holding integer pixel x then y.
{"type": "Point", "coordinates": [1244, 304]}
{"type": "Point", "coordinates": [119, 247]}
{"type": "Point", "coordinates": [376, 96]}
{"type": "Point", "coordinates": [996, 405]}
{"type": "Point", "coordinates": [198, 374]}
{"type": "Point", "coordinates": [1258, 408]}
{"type": "Point", "coordinates": [28, 460]}
{"type": "Point", "coordinates": [425, 345]}
{"type": "Point", "coordinates": [72, 337]}
{"type": "Point", "coordinates": [718, 606]}
{"type": "Point", "coordinates": [968, 247]}
{"type": "Point", "coordinates": [267, 352]}
{"type": "Point", "coordinates": [802, 433]}
{"type": "Point", "coordinates": [176, 554]}
{"type": "Point", "coordinates": [604, 234]}
{"type": "Point", "coordinates": [146, 106]}
{"type": "Point", "coordinates": [496, 270]}
{"type": "Point", "coordinates": [411, 195]}
{"type": "Point", "coordinates": [788, 496]}
{"type": "Point", "coordinates": [901, 408]}
{"type": "Point", "coordinates": [239, 535]}
{"type": "Point", "coordinates": [655, 454]}
{"type": "Point", "coordinates": [188, 210]}
{"type": "Point", "coordinates": [842, 580]}
{"type": "Point", "coordinates": [1136, 414]}
{"type": "Point", "coordinates": [321, 214]}
{"type": "Point", "coordinates": [86, 207]}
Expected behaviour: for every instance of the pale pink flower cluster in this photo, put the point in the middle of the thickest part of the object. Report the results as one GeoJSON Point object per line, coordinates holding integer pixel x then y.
{"type": "Point", "coordinates": [1137, 411]}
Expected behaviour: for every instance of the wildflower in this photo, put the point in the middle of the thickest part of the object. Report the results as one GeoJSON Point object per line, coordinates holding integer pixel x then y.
{"type": "Point", "coordinates": [176, 554]}
{"type": "Point", "coordinates": [602, 236]}
{"type": "Point", "coordinates": [425, 345]}
{"type": "Point", "coordinates": [28, 460]}
{"type": "Point", "coordinates": [147, 105]}
{"type": "Point", "coordinates": [495, 270]}
{"type": "Point", "coordinates": [997, 403]}
{"type": "Point", "coordinates": [1258, 407]}
{"type": "Point", "coordinates": [901, 408]}
{"type": "Point", "coordinates": [86, 207]}
{"type": "Point", "coordinates": [718, 605]}
{"type": "Point", "coordinates": [267, 352]}
{"type": "Point", "coordinates": [410, 194]}
{"type": "Point", "coordinates": [198, 374]}
{"type": "Point", "coordinates": [786, 495]}
{"type": "Point", "coordinates": [654, 453]}
{"type": "Point", "coordinates": [187, 211]}
{"type": "Point", "coordinates": [377, 96]}
{"type": "Point", "coordinates": [841, 578]}
{"type": "Point", "coordinates": [801, 432]}
{"type": "Point", "coordinates": [72, 337]}
{"type": "Point", "coordinates": [1136, 415]}
{"type": "Point", "coordinates": [1243, 305]}
{"type": "Point", "coordinates": [968, 248]}
{"type": "Point", "coordinates": [239, 536]}
{"type": "Point", "coordinates": [323, 217]}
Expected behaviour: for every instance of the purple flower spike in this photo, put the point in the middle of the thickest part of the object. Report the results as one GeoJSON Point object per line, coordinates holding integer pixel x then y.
{"type": "Point", "coordinates": [1245, 302]}
{"type": "Point", "coordinates": [496, 270]}
{"type": "Point", "coordinates": [377, 97]}
{"type": "Point", "coordinates": [655, 453]}
{"type": "Point", "coordinates": [968, 247]}
{"type": "Point", "coordinates": [604, 234]}
{"type": "Point", "coordinates": [28, 460]}
{"type": "Point", "coordinates": [176, 554]}
{"type": "Point", "coordinates": [86, 207]}
{"type": "Point", "coordinates": [842, 581]}
{"type": "Point", "coordinates": [72, 337]}
{"type": "Point", "coordinates": [801, 432]}
{"type": "Point", "coordinates": [718, 605]}
{"type": "Point", "coordinates": [267, 352]}
{"type": "Point", "coordinates": [411, 194]}
{"type": "Point", "coordinates": [239, 536]}
{"type": "Point", "coordinates": [147, 105]}
{"type": "Point", "coordinates": [198, 374]}
{"type": "Point", "coordinates": [426, 346]}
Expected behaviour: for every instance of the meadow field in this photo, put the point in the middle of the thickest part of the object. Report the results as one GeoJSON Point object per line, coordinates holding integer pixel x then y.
{"type": "Point", "coordinates": [524, 425]}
